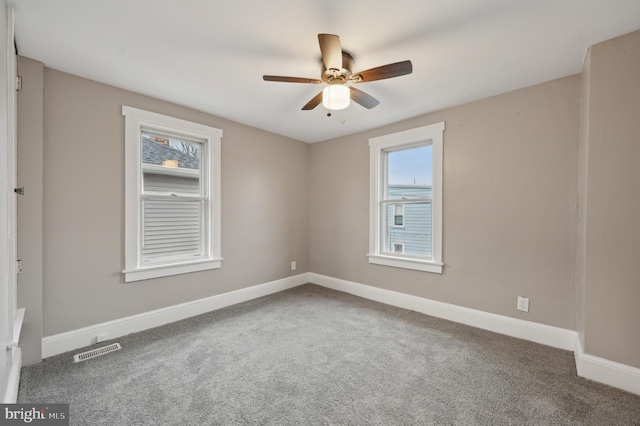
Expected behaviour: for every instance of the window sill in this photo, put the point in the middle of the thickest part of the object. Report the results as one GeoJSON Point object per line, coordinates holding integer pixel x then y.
{"type": "Point", "coordinates": [149, 272]}
{"type": "Point", "coordinates": [406, 263]}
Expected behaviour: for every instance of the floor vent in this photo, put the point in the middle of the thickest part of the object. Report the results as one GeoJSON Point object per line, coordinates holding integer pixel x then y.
{"type": "Point", "coordinates": [96, 352]}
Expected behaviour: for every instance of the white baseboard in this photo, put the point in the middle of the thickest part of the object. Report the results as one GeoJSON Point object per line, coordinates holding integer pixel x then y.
{"type": "Point", "coordinates": [588, 366]}
{"type": "Point", "coordinates": [13, 381]}
{"type": "Point", "coordinates": [532, 331]}
{"type": "Point", "coordinates": [75, 339]}
{"type": "Point", "coordinates": [610, 373]}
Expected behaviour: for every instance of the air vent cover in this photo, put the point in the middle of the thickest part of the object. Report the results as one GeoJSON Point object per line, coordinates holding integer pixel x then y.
{"type": "Point", "coordinates": [97, 352]}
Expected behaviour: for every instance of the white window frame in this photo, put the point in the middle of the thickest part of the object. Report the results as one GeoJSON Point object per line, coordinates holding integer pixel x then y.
{"type": "Point", "coordinates": [378, 146]}
{"type": "Point", "coordinates": [135, 121]}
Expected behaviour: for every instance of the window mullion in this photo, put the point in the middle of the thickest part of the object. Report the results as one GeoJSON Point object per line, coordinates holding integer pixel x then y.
{"type": "Point", "coordinates": [171, 197]}
{"type": "Point", "coordinates": [408, 201]}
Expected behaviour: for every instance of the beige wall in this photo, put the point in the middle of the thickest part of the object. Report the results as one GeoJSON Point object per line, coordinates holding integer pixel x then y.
{"type": "Point", "coordinates": [510, 199]}
{"type": "Point", "coordinates": [264, 208]}
{"type": "Point", "coordinates": [30, 162]}
{"type": "Point", "coordinates": [612, 235]}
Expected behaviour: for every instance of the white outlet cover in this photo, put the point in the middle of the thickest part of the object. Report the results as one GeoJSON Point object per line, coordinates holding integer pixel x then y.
{"type": "Point", "coordinates": [523, 304]}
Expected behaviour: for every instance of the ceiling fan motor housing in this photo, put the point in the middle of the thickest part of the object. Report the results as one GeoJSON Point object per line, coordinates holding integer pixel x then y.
{"type": "Point", "coordinates": [341, 76]}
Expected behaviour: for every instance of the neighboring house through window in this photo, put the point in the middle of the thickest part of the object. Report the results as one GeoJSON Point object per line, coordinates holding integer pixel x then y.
{"type": "Point", "coordinates": [172, 196]}
{"type": "Point", "coordinates": [406, 199]}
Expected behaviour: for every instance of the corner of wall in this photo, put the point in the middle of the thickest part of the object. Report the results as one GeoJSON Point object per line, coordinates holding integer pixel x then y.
{"type": "Point", "coordinates": [583, 152]}
{"type": "Point", "coordinates": [30, 161]}
{"type": "Point", "coordinates": [608, 227]}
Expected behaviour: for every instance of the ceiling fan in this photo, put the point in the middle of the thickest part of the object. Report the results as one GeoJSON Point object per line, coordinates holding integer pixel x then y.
{"type": "Point", "coordinates": [337, 74]}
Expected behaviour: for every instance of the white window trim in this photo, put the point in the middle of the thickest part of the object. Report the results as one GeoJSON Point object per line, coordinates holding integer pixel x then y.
{"type": "Point", "coordinates": [135, 120]}
{"type": "Point", "coordinates": [378, 146]}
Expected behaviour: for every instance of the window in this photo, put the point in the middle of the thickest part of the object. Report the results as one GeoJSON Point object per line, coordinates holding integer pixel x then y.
{"type": "Point", "coordinates": [398, 247]}
{"type": "Point", "coordinates": [406, 199]}
{"type": "Point", "coordinates": [398, 215]}
{"type": "Point", "coordinates": [172, 196]}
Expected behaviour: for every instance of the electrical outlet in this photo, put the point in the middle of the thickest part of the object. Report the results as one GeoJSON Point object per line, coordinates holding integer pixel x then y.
{"type": "Point", "coordinates": [293, 265]}
{"type": "Point", "coordinates": [523, 304]}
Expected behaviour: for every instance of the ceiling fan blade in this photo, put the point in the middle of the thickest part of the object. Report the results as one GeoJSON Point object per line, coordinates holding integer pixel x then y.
{"type": "Point", "coordinates": [290, 79]}
{"type": "Point", "coordinates": [331, 51]}
{"type": "Point", "coordinates": [386, 71]}
{"type": "Point", "coordinates": [313, 102]}
{"type": "Point", "coordinates": [363, 98]}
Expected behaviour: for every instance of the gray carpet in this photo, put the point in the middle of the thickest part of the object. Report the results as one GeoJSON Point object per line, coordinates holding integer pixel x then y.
{"type": "Point", "coordinates": [311, 355]}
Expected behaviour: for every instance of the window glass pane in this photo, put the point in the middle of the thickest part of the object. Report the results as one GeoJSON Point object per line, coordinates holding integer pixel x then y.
{"type": "Point", "coordinates": [171, 228]}
{"type": "Point", "coordinates": [170, 165]}
{"type": "Point", "coordinates": [408, 225]}
{"type": "Point", "coordinates": [415, 234]}
{"type": "Point", "coordinates": [409, 172]}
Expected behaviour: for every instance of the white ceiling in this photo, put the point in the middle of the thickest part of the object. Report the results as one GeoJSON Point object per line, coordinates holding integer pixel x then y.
{"type": "Point", "coordinates": [211, 55]}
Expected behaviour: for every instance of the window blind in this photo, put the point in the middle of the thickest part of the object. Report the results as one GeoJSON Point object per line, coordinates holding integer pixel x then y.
{"type": "Point", "coordinates": [171, 229]}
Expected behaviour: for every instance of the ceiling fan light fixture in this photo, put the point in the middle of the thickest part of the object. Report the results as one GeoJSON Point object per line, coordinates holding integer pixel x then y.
{"type": "Point", "coordinates": [336, 96]}
{"type": "Point", "coordinates": [336, 72]}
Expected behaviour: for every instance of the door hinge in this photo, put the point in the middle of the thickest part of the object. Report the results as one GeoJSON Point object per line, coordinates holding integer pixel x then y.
{"type": "Point", "coordinates": [18, 83]}
{"type": "Point", "coordinates": [18, 266]}
{"type": "Point", "coordinates": [19, 191]}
